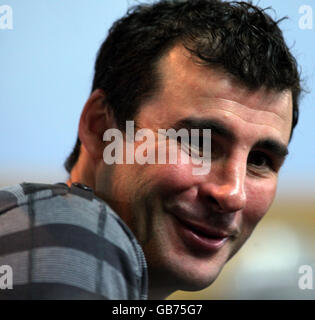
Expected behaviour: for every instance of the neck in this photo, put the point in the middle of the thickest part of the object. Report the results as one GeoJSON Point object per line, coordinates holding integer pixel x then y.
{"type": "Point", "coordinates": [159, 288]}
{"type": "Point", "coordinates": [157, 294]}
{"type": "Point", "coordinates": [82, 172]}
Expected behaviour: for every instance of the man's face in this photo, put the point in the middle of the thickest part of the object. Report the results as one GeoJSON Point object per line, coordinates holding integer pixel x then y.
{"type": "Point", "coordinates": [190, 225]}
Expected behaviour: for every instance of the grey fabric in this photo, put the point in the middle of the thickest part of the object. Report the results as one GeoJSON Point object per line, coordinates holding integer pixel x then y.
{"type": "Point", "coordinates": [65, 243]}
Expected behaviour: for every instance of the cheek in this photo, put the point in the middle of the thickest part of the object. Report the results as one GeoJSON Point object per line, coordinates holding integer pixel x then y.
{"type": "Point", "coordinates": [259, 198]}
{"type": "Point", "coordinates": [132, 184]}
{"type": "Point", "coordinates": [260, 195]}
{"type": "Point", "coordinates": [172, 178]}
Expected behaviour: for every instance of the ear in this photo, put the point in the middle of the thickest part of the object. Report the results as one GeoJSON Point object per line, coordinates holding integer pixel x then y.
{"type": "Point", "coordinates": [96, 117]}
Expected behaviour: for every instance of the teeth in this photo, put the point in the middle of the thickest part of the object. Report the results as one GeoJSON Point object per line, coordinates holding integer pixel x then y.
{"type": "Point", "coordinates": [199, 232]}
{"type": "Point", "coordinates": [205, 235]}
{"type": "Point", "coordinates": [202, 233]}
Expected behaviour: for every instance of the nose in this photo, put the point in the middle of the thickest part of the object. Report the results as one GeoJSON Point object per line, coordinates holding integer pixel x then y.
{"type": "Point", "coordinates": [225, 187]}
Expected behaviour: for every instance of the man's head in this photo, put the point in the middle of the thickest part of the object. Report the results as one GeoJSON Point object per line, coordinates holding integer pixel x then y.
{"type": "Point", "coordinates": [191, 64]}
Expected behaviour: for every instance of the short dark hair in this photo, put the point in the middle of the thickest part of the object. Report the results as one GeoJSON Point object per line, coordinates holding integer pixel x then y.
{"type": "Point", "coordinates": [237, 37]}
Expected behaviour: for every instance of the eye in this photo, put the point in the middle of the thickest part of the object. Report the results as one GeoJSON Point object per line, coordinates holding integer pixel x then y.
{"type": "Point", "coordinates": [193, 145]}
{"type": "Point", "coordinates": [260, 161]}
{"type": "Point", "coordinates": [196, 144]}
{"type": "Point", "coordinates": [200, 144]}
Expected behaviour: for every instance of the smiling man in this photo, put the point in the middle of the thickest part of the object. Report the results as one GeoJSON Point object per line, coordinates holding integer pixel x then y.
{"type": "Point", "coordinates": [201, 64]}
{"type": "Point", "coordinates": [189, 226]}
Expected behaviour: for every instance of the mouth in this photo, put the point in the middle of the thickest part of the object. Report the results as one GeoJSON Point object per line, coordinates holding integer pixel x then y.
{"type": "Point", "coordinates": [200, 238]}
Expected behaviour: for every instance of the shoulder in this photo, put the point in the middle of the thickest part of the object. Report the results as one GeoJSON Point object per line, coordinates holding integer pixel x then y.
{"type": "Point", "coordinates": [58, 225]}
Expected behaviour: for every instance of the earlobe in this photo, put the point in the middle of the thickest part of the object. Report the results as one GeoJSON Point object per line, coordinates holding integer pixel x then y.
{"type": "Point", "coordinates": [96, 117]}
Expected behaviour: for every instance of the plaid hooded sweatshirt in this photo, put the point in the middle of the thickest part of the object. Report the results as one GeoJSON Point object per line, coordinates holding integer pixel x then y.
{"type": "Point", "coordinates": [65, 243]}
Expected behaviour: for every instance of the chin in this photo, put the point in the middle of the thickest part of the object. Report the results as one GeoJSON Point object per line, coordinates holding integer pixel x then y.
{"type": "Point", "coordinates": [195, 281]}
{"type": "Point", "coordinates": [196, 284]}
{"type": "Point", "coordinates": [178, 275]}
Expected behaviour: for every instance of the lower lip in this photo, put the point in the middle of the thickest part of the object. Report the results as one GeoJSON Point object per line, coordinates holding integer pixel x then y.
{"type": "Point", "coordinates": [197, 241]}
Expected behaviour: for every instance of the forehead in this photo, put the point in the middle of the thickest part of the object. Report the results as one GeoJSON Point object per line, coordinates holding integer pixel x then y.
{"type": "Point", "coordinates": [188, 87]}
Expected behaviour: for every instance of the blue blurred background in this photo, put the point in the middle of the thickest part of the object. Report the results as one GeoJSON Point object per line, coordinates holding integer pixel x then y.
{"type": "Point", "coordinates": [46, 70]}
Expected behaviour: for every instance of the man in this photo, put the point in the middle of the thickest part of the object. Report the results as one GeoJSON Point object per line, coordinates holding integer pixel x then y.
{"type": "Point", "coordinates": [201, 64]}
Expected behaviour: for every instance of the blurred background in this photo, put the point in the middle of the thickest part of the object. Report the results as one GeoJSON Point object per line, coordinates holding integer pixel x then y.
{"type": "Point", "coordinates": [46, 69]}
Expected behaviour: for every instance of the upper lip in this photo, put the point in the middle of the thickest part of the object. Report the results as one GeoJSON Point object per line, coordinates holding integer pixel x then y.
{"type": "Point", "coordinates": [205, 229]}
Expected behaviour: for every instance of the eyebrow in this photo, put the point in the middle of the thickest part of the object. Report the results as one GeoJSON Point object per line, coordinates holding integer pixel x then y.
{"type": "Point", "coordinates": [273, 146]}
{"type": "Point", "coordinates": [218, 128]}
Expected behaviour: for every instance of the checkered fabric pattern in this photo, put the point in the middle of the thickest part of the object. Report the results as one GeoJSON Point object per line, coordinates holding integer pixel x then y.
{"type": "Point", "coordinates": [65, 243]}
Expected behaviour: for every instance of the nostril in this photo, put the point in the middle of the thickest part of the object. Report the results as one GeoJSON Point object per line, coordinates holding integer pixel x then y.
{"type": "Point", "coordinates": [213, 205]}
{"type": "Point", "coordinates": [211, 201]}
